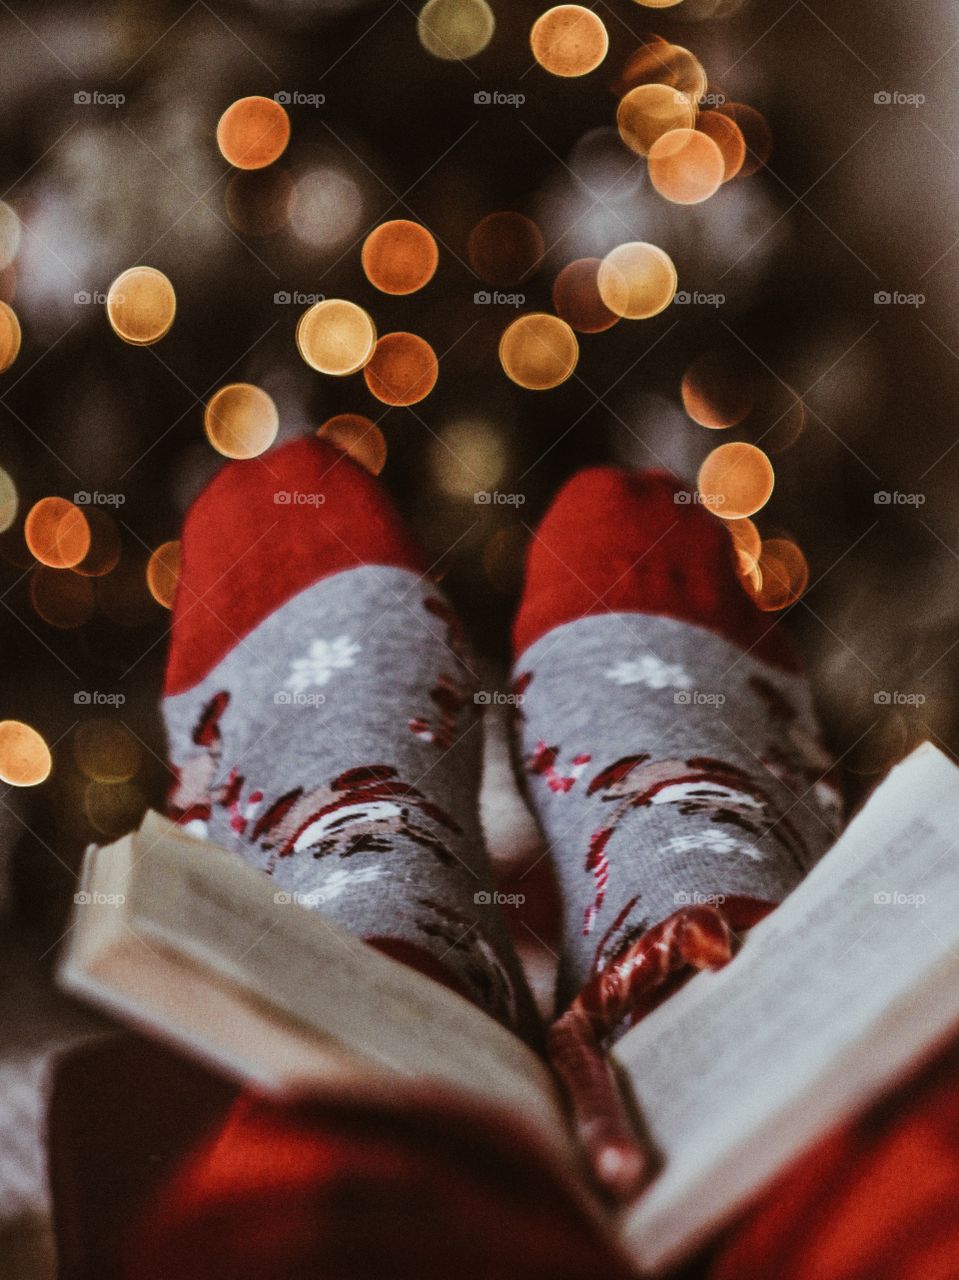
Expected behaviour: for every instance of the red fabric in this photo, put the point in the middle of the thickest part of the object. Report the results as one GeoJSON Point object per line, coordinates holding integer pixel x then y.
{"type": "Point", "coordinates": [323, 1192]}
{"type": "Point", "coordinates": [615, 541]}
{"type": "Point", "coordinates": [245, 554]}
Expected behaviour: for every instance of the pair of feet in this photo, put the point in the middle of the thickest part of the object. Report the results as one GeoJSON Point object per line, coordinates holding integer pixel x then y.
{"type": "Point", "coordinates": [322, 713]}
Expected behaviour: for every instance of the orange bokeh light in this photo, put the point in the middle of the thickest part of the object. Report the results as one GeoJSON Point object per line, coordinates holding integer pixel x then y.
{"type": "Point", "coordinates": [25, 758]}
{"type": "Point", "coordinates": [685, 166]}
{"type": "Point", "coordinates": [403, 369]}
{"type": "Point", "coordinates": [756, 133]}
{"type": "Point", "coordinates": [736, 480]}
{"type": "Point", "coordinates": [253, 132]}
{"type": "Point", "coordinates": [10, 336]}
{"type": "Point", "coordinates": [650, 110]}
{"type": "Point", "coordinates": [141, 306]}
{"type": "Point", "coordinates": [399, 257]}
{"type": "Point", "coordinates": [577, 299]}
{"type": "Point", "coordinates": [57, 533]}
{"type": "Point", "coordinates": [569, 40]}
{"type": "Point", "coordinates": [784, 574]}
{"type": "Point", "coordinates": [637, 280]}
{"type": "Point", "coordinates": [659, 62]}
{"type": "Point", "coordinates": [163, 573]}
{"type": "Point", "coordinates": [716, 392]}
{"type": "Point", "coordinates": [538, 351]}
{"type": "Point", "coordinates": [358, 437]}
{"type": "Point", "coordinates": [728, 137]}
{"type": "Point", "coordinates": [240, 420]}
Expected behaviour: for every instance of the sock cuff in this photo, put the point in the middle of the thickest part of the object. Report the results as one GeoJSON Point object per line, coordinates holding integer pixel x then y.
{"type": "Point", "coordinates": [264, 530]}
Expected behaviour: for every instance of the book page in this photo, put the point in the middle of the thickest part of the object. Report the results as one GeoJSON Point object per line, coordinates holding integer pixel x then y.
{"type": "Point", "coordinates": [832, 996]}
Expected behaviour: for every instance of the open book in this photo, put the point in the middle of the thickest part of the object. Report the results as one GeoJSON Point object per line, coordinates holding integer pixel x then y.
{"type": "Point", "coordinates": [831, 998]}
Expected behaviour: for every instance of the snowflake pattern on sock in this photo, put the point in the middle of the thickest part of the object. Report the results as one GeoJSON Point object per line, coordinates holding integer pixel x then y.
{"type": "Point", "coordinates": [651, 671]}
{"type": "Point", "coordinates": [322, 660]}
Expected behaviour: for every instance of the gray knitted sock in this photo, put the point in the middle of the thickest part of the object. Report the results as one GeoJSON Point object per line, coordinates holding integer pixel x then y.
{"type": "Point", "coordinates": [321, 719]}
{"type": "Point", "coordinates": [670, 743]}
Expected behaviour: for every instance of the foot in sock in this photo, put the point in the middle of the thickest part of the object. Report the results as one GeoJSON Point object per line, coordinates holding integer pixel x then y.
{"type": "Point", "coordinates": [667, 732]}
{"type": "Point", "coordinates": [320, 715]}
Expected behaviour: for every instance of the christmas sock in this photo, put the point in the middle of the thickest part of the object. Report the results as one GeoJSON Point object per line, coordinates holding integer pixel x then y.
{"type": "Point", "coordinates": [667, 732]}
{"type": "Point", "coordinates": [319, 710]}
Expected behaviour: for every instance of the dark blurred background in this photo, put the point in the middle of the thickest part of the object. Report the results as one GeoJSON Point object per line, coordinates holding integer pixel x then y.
{"type": "Point", "coordinates": [858, 199]}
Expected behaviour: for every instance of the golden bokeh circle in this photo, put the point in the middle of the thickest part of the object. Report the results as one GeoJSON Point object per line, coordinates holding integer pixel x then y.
{"type": "Point", "coordinates": [105, 751]}
{"type": "Point", "coordinates": [637, 280]}
{"type": "Point", "coordinates": [538, 351]}
{"type": "Point", "coordinates": [399, 257]}
{"type": "Point", "coordinates": [57, 533]}
{"type": "Point", "coordinates": [455, 30]}
{"type": "Point", "coordinates": [756, 132]}
{"type": "Point", "coordinates": [9, 235]}
{"type": "Point", "coordinates": [658, 4]}
{"type": "Point", "coordinates": [113, 808]}
{"type": "Point", "coordinates": [10, 336]}
{"type": "Point", "coordinates": [336, 337]}
{"type": "Point", "coordinates": [253, 132]}
{"type": "Point", "coordinates": [9, 500]}
{"type": "Point", "coordinates": [61, 599]}
{"type": "Point", "coordinates": [716, 393]}
{"type": "Point", "coordinates": [728, 137]}
{"type": "Point", "coordinates": [141, 305]}
{"type": "Point", "coordinates": [357, 436]}
{"type": "Point", "coordinates": [241, 420]}
{"type": "Point", "coordinates": [784, 574]}
{"type": "Point", "coordinates": [686, 166]}
{"type": "Point", "coordinates": [746, 541]}
{"type": "Point", "coordinates": [577, 300]}
{"type": "Point", "coordinates": [504, 248]}
{"type": "Point", "coordinates": [104, 551]}
{"type": "Point", "coordinates": [163, 572]}
{"type": "Point", "coordinates": [736, 480]}
{"type": "Point", "coordinates": [650, 110]}
{"type": "Point", "coordinates": [569, 40]}
{"type": "Point", "coordinates": [403, 369]}
{"type": "Point", "coordinates": [659, 62]}
{"type": "Point", "coordinates": [25, 759]}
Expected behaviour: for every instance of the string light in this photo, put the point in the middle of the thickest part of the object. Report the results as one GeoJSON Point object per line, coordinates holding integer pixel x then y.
{"type": "Point", "coordinates": [650, 110]}
{"type": "Point", "coordinates": [736, 480]}
{"type": "Point", "coordinates": [105, 751]}
{"type": "Point", "coordinates": [163, 573]}
{"type": "Point", "coordinates": [25, 759]}
{"type": "Point", "coordinates": [141, 305]}
{"type": "Point", "coordinates": [728, 137]}
{"type": "Point", "coordinates": [455, 30]}
{"type": "Point", "coordinates": [240, 420]}
{"type": "Point", "coordinates": [685, 166]}
{"type": "Point", "coordinates": [757, 135]}
{"type": "Point", "coordinates": [57, 533]}
{"type": "Point", "coordinates": [577, 299]}
{"type": "Point", "coordinates": [336, 337]}
{"type": "Point", "coordinates": [399, 257]}
{"type": "Point", "coordinates": [403, 369]}
{"type": "Point", "coordinates": [637, 280]}
{"type": "Point", "coordinates": [9, 500]}
{"type": "Point", "coordinates": [358, 437]}
{"type": "Point", "coordinates": [569, 40]}
{"type": "Point", "coordinates": [538, 351]}
{"type": "Point", "coordinates": [10, 336]}
{"type": "Point", "coordinates": [253, 132]}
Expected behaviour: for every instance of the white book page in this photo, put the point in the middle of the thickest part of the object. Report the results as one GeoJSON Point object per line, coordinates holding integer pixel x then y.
{"type": "Point", "coordinates": [832, 996]}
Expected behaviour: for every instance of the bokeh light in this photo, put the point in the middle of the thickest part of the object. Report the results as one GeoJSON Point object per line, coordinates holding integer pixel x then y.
{"type": "Point", "coordinates": [9, 336]}
{"type": "Point", "coordinates": [60, 598]}
{"type": "Point", "coordinates": [455, 30]}
{"type": "Point", "coordinates": [735, 480]}
{"type": "Point", "coordinates": [577, 300]}
{"type": "Point", "coordinates": [358, 437]}
{"type": "Point", "coordinates": [746, 538]}
{"type": "Point", "coordinates": [784, 574]}
{"type": "Point", "coordinates": [104, 551]}
{"type": "Point", "coordinates": [25, 759]}
{"type": "Point", "coordinates": [240, 420]}
{"type": "Point", "coordinates": [403, 369]}
{"type": "Point", "coordinates": [728, 137]}
{"type": "Point", "coordinates": [326, 208]}
{"type": "Point", "coordinates": [756, 133]}
{"type": "Point", "coordinates": [468, 457]}
{"type": "Point", "coordinates": [163, 573]}
{"type": "Point", "coordinates": [538, 351]}
{"type": "Point", "coordinates": [258, 204]}
{"type": "Point", "coordinates": [57, 533]}
{"type": "Point", "coordinates": [659, 62]}
{"type": "Point", "coordinates": [716, 391]}
{"type": "Point", "coordinates": [141, 305]}
{"type": "Point", "coordinates": [505, 248]}
{"type": "Point", "coordinates": [9, 500]}
{"type": "Point", "coordinates": [649, 111]}
{"type": "Point", "coordinates": [336, 337]}
{"type": "Point", "coordinates": [569, 40]}
{"type": "Point", "coordinates": [658, 4]}
{"type": "Point", "coordinates": [399, 257]}
{"type": "Point", "coordinates": [9, 235]}
{"type": "Point", "coordinates": [686, 167]}
{"type": "Point", "coordinates": [113, 808]}
{"type": "Point", "coordinates": [253, 132]}
{"type": "Point", "coordinates": [105, 751]}
{"type": "Point", "coordinates": [637, 280]}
